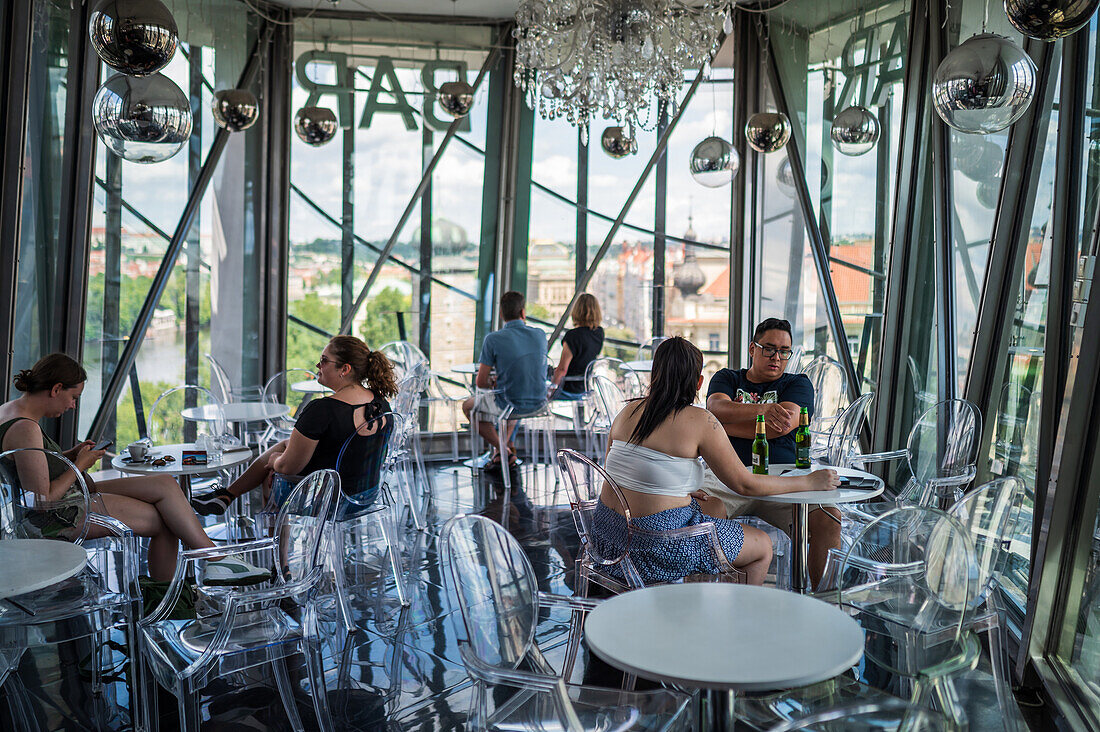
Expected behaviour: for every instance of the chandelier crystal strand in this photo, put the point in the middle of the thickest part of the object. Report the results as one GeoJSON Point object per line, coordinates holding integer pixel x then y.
{"type": "Point", "coordinates": [583, 59]}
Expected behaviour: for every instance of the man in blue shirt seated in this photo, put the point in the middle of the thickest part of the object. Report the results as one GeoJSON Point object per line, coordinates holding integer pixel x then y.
{"type": "Point", "coordinates": [518, 353]}
{"type": "Point", "coordinates": [736, 398]}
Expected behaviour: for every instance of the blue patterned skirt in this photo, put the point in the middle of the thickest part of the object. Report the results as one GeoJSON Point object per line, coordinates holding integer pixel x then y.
{"type": "Point", "coordinates": [661, 560]}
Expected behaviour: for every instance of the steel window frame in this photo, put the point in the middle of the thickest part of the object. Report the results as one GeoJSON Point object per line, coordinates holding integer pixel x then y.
{"type": "Point", "coordinates": [175, 246]}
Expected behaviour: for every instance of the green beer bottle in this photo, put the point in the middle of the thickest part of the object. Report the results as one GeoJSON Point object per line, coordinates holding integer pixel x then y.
{"type": "Point", "coordinates": [802, 440]}
{"type": "Point", "coordinates": [760, 448]}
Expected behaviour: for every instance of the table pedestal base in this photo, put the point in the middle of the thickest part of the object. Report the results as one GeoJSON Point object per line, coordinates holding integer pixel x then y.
{"type": "Point", "coordinates": [717, 712]}
{"type": "Point", "coordinates": [800, 539]}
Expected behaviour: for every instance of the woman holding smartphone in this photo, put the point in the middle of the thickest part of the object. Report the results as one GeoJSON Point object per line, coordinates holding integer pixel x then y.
{"type": "Point", "coordinates": [153, 506]}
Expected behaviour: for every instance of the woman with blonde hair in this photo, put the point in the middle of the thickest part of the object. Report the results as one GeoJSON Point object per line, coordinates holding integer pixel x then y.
{"type": "Point", "coordinates": [580, 347]}
{"type": "Point", "coordinates": [361, 381]}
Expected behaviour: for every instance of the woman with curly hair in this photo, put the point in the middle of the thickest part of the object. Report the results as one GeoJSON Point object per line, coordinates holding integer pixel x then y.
{"type": "Point", "coordinates": [361, 381]}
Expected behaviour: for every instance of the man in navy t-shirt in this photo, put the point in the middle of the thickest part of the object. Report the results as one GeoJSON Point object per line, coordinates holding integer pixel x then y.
{"type": "Point", "coordinates": [736, 398]}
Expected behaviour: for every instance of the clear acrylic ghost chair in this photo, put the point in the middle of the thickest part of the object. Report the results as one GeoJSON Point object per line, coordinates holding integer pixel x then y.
{"type": "Point", "coordinates": [842, 445]}
{"type": "Point", "coordinates": [913, 582]}
{"type": "Point", "coordinates": [250, 628]}
{"type": "Point", "coordinates": [496, 590]}
{"type": "Point", "coordinates": [366, 521]}
{"type": "Point", "coordinates": [989, 513]}
{"type": "Point", "coordinates": [794, 363]}
{"type": "Point", "coordinates": [876, 716]}
{"type": "Point", "coordinates": [403, 355]}
{"type": "Point", "coordinates": [830, 391]}
{"type": "Point", "coordinates": [166, 425]}
{"type": "Point", "coordinates": [516, 411]}
{"type": "Point", "coordinates": [165, 421]}
{"type": "Point", "coordinates": [84, 608]}
{"type": "Point", "coordinates": [632, 557]}
{"type": "Point", "coordinates": [278, 390]}
{"type": "Point", "coordinates": [628, 383]}
{"type": "Point", "coordinates": [646, 349]}
{"type": "Point", "coordinates": [404, 458]}
{"type": "Point", "coordinates": [223, 388]}
{"type": "Point", "coordinates": [941, 452]}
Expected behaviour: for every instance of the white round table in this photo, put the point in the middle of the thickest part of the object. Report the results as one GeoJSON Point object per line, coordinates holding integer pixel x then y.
{"type": "Point", "coordinates": [176, 468]}
{"type": "Point", "coordinates": [310, 386]}
{"type": "Point", "coordinates": [803, 499]}
{"type": "Point", "coordinates": [27, 565]}
{"type": "Point", "coordinates": [720, 636]}
{"type": "Point", "coordinates": [645, 365]}
{"type": "Point", "coordinates": [466, 368]}
{"type": "Point", "coordinates": [236, 412]}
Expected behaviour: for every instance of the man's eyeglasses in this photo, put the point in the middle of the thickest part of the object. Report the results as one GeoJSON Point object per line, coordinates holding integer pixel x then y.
{"type": "Point", "coordinates": [771, 351]}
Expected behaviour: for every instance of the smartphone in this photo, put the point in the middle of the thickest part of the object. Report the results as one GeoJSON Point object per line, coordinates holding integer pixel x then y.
{"type": "Point", "coordinates": [103, 444]}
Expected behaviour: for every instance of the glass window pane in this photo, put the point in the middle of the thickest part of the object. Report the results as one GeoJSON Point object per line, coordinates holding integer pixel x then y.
{"type": "Point", "coordinates": [136, 209]}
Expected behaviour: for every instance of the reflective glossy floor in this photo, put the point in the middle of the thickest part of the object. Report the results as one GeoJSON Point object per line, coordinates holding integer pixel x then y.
{"type": "Point", "coordinates": [400, 671]}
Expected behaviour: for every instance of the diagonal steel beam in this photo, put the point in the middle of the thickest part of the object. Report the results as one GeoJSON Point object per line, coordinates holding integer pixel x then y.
{"type": "Point", "coordinates": [183, 226]}
{"type": "Point", "coordinates": [813, 231]}
{"type": "Point", "coordinates": [658, 152]}
{"type": "Point", "coordinates": [425, 180]}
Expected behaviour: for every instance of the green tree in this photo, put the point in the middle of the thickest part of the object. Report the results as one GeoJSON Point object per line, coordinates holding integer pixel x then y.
{"type": "Point", "coordinates": [380, 326]}
{"type": "Point", "coordinates": [303, 346]}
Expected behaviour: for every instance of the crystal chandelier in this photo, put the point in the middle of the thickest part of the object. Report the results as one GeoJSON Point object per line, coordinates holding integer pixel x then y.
{"type": "Point", "coordinates": [581, 58]}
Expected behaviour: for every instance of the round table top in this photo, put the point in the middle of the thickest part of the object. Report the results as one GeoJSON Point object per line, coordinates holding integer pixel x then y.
{"type": "Point", "coordinates": [724, 636]}
{"type": "Point", "coordinates": [229, 459]}
{"type": "Point", "coordinates": [27, 565]}
{"type": "Point", "coordinates": [644, 365]}
{"type": "Point", "coordinates": [465, 368]}
{"type": "Point", "coordinates": [237, 412]}
{"type": "Point", "coordinates": [310, 386]}
{"type": "Point", "coordinates": [840, 495]}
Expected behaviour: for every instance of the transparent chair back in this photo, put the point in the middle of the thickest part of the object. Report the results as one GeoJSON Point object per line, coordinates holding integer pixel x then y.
{"type": "Point", "coordinates": [943, 446]}
{"type": "Point", "coordinates": [646, 350]}
{"type": "Point", "coordinates": [278, 390]}
{"type": "Point", "coordinates": [403, 355]}
{"type": "Point", "coordinates": [517, 402]}
{"type": "Point", "coordinates": [794, 363]}
{"type": "Point", "coordinates": [830, 387]}
{"type": "Point", "coordinates": [842, 444]}
{"type": "Point", "coordinates": [609, 398]}
{"type": "Point", "coordinates": [584, 480]}
{"type": "Point", "coordinates": [623, 376]}
{"type": "Point", "coordinates": [26, 509]}
{"type": "Point", "coordinates": [496, 589]}
{"type": "Point", "coordinates": [643, 556]}
{"type": "Point", "coordinates": [165, 421]}
{"type": "Point", "coordinates": [913, 568]}
{"type": "Point", "coordinates": [362, 458]}
{"type": "Point", "coordinates": [301, 522]}
{"type": "Point", "coordinates": [878, 716]}
{"type": "Point", "coordinates": [222, 387]}
{"type": "Point", "coordinates": [989, 512]}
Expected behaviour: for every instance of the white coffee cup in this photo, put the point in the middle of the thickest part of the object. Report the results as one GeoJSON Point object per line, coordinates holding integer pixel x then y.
{"type": "Point", "coordinates": [138, 450]}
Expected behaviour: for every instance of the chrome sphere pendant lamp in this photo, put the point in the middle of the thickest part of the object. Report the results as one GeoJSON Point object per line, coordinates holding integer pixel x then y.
{"type": "Point", "coordinates": [1049, 20]}
{"type": "Point", "coordinates": [235, 109]}
{"type": "Point", "coordinates": [618, 142]}
{"type": "Point", "coordinates": [767, 132]}
{"type": "Point", "coordinates": [983, 85]}
{"type": "Point", "coordinates": [143, 119]}
{"type": "Point", "coordinates": [315, 126]}
{"type": "Point", "coordinates": [133, 37]}
{"type": "Point", "coordinates": [855, 131]}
